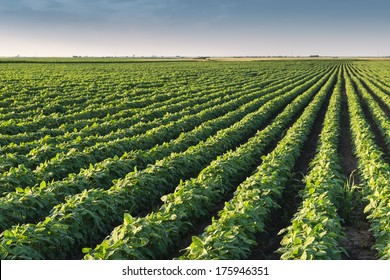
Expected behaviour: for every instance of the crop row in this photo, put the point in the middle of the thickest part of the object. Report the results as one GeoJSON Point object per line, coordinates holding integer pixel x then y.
{"type": "Point", "coordinates": [87, 217]}
{"type": "Point", "coordinates": [379, 116]}
{"type": "Point", "coordinates": [99, 93]}
{"type": "Point", "coordinates": [64, 163]}
{"type": "Point", "coordinates": [194, 199]}
{"type": "Point", "coordinates": [378, 78]}
{"type": "Point", "coordinates": [32, 203]}
{"type": "Point", "coordinates": [140, 123]}
{"type": "Point", "coordinates": [36, 85]}
{"type": "Point", "coordinates": [12, 127]}
{"type": "Point", "coordinates": [85, 126]}
{"type": "Point", "coordinates": [180, 95]}
{"type": "Point", "coordinates": [144, 136]}
{"type": "Point", "coordinates": [375, 172]}
{"type": "Point", "coordinates": [59, 94]}
{"type": "Point", "coordinates": [316, 229]}
{"type": "Point", "coordinates": [233, 234]}
{"type": "Point", "coordinates": [373, 84]}
{"type": "Point", "coordinates": [42, 150]}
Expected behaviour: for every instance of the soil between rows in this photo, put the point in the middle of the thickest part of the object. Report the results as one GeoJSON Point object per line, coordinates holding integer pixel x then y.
{"type": "Point", "coordinates": [358, 239]}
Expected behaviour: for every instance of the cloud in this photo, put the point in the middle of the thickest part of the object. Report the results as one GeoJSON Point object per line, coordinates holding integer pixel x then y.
{"type": "Point", "coordinates": [98, 14]}
{"type": "Point", "coordinates": [245, 25]}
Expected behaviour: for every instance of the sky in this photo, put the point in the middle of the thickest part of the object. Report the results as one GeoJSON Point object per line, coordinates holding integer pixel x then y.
{"type": "Point", "coordinates": [194, 28]}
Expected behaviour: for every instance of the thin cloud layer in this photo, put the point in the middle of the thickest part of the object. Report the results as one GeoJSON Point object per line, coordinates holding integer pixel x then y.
{"type": "Point", "coordinates": [204, 27]}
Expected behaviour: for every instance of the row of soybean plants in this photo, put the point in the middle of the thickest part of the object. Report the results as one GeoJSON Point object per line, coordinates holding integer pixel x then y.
{"type": "Point", "coordinates": [92, 128]}
{"type": "Point", "coordinates": [103, 127]}
{"type": "Point", "coordinates": [380, 77]}
{"type": "Point", "coordinates": [98, 151]}
{"type": "Point", "coordinates": [381, 70]}
{"type": "Point", "coordinates": [61, 116]}
{"type": "Point", "coordinates": [51, 146]}
{"type": "Point", "coordinates": [84, 219]}
{"type": "Point", "coordinates": [114, 83]}
{"type": "Point", "coordinates": [374, 171]}
{"type": "Point", "coordinates": [60, 84]}
{"type": "Point", "coordinates": [64, 163]}
{"type": "Point", "coordinates": [316, 229]}
{"type": "Point", "coordinates": [153, 236]}
{"type": "Point", "coordinates": [11, 179]}
{"type": "Point", "coordinates": [101, 96]}
{"type": "Point", "coordinates": [97, 93]}
{"type": "Point", "coordinates": [24, 93]}
{"type": "Point", "coordinates": [41, 199]}
{"type": "Point", "coordinates": [379, 116]}
{"type": "Point", "coordinates": [33, 153]}
{"type": "Point", "coordinates": [375, 86]}
{"type": "Point", "coordinates": [141, 122]}
{"type": "Point", "coordinates": [166, 95]}
{"type": "Point", "coordinates": [89, 115]}
{"type": "Point", "coordinates": [233, 234]}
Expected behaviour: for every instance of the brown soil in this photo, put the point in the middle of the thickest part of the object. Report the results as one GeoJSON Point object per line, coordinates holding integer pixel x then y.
{"type": "Point", "coordinates": [348, 160]}
{"type": "Point", "coordinates": [359, 241]}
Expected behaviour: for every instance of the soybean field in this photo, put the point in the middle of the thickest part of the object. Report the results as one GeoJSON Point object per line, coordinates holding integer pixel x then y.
{"type": "Point", "coordinates": [132, 159]}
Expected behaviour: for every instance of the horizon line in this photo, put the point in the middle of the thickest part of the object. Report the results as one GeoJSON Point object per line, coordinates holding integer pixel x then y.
{"type": "Point", "coordinates": [203, 56]}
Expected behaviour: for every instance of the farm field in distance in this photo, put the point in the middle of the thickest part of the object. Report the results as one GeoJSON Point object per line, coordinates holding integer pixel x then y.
{"type": "Point", "coordinates": [132, 159]}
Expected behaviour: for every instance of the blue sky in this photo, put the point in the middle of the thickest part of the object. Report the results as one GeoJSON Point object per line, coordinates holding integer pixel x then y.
{"type": "Point", "coordinates": [191, 28]}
